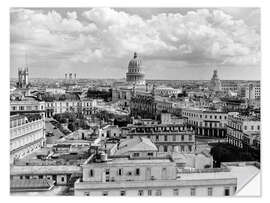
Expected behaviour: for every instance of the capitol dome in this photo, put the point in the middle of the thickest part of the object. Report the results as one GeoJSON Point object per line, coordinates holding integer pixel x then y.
{"type": "Point", "coordinates": [135, 74]}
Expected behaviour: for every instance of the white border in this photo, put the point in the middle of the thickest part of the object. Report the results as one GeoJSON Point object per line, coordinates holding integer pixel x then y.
{"type": "Point", "coordinates": [124, 3]}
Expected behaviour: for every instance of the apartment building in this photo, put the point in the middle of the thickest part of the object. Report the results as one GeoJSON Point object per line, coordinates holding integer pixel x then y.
{"type": "Point", "coordinates": [84, 106]}
{"type": "Point", "coordinates": [26, 135]}
{"type": "Point", "coordinates": [206, 122]}
{"type": "Point", "coordinates": [27, 105]}
{"type": "Point", "coordinates": [167, 137]}
{"type": "Point", "coordinates": [243, 131]}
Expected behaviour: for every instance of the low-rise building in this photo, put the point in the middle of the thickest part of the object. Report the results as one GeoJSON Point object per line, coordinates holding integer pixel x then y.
{"type": "Point", "coordinates": [156, 176]}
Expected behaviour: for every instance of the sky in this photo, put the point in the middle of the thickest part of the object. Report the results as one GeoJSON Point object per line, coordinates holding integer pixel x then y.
{"type": "Point", "coordinates": [173, 43]}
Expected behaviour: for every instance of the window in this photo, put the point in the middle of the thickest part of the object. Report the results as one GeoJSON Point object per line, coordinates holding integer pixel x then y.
{"type": "Point", "coordinates": [182, 137]}
{"type": "Point", "coordinates": [165, 148]}
{"type": "Point", "coordinates": [156, 137]}
{"type": "Point", "coordinates": [105, 193]}
{"type": "Point", "coordinates": [150, 154]}
{"type": "Point", "coordinates": [21, 177]}
{"type": "Point", "coordinates": [210, 117]}
{"type": "Point", "coordinates": [91, 173]}
{"type": "Point", "coordinates": [182, 148]}
{"type": "Point", "coordinates": [258, 127]}
{"type": "Point", "coordinates": [190, 148]}
{"type": "Point", "coordinates": [252, 127]}
{"type": "Point", "coordinates": [27, 177]}
{"type": "Point", "coordinates": [40, 176]}
{"type": "Point", "coordinates": [140, 192]}
{"type": "Point", "coordinates": [137, 172]}
{"type": "Point", "coordinates": [210, 191]}
{"type": "Point", "coordinates": [227, 192]}
{"type": "Point", "coordinates": [107, 171]}
{"type": "Point", "coordinates": [205, 116]}
{"type": "Point", "coordinates": [149, 192]}
{"type": "Point", "coordinates": [158, 193]}
{"type": "Point", "coordinates": [136, 154]}
{"type": "Point", "coordinates": [120, 171]}
{"type": "Point", "coordinates": [245, 127]}
{"type": "Point", "coordinates": [62, 179]}
{"type": "Point", "coordinates": [174, 138]}
{"type": "Point", "coordinates": [192, 191]}
{"type": "Point", "coordinates": [215, 117]}
{"type": "Point", "coordinates": [122, 193]}
{"type": "Point", "coordinates": [220, 117]}
{"type": "Point", "coordinates": [175, 192]}
{"type": "Point", "coordinates": [165, 137]}
{"type": "Point", "coordinates": [190, 137]}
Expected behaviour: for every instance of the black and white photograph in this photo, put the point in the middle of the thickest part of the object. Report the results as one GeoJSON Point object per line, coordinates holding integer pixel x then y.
{"type": "Point", "coordinates": [134, 101]}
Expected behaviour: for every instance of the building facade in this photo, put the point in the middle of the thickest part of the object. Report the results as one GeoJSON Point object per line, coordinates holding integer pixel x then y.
{"type": "Point", "coordinates": [154, 176]}
{"type": "Point", "coordinates": [143, 104]}
{"type": "Point", "coordinates": [26, 135]}
{"type": "Point", "coordinates": [84, 106]}
{"type": "Point", "coordinates": [206, 122]}
{"type": "Point", "coordinates": [243, 132]}
{"type": "Point", "coordinates": [167, 137]}
{"type": "Point", "coordinates": [27, 105]}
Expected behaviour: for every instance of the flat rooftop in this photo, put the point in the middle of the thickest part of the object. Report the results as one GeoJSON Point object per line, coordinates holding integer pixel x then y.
{"type": "Point", "coordinates": [205, 176]}
{"type": "Point", "coordinates": [127, 160]}
{"type": "Point", "coordinates": [35, 170]}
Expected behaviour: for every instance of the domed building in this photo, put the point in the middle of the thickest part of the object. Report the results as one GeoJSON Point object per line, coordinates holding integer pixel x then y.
{"type": "Point", "coordinates": [135, 74]}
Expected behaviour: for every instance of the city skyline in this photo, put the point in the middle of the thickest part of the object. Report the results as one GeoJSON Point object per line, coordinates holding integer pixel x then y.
{"type": "Point", "coordinates": [184, 43]}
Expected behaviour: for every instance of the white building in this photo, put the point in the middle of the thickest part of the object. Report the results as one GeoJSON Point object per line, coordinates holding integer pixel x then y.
{"type": "Point", "coordinates": [27, 105]}
{"type": "Point", "coordinates": [242, 130]}
{"type": "Point", "coordinates": [84, 106]}
{"type": "Point", "coordinates": [55, 90]}
{"type": "Point", "coordinates": [26, 135]}
{"type": "Point", "coordinates": [251, 91]}
{"type": "Point", "coordinates": [206, 122]}
{"type": "Point", "coordinates": [148, 177]}
{"type": "Point", "coordinates": [167, 137]}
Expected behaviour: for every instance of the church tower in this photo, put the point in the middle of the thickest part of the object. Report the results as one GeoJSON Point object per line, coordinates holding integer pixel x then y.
{"type": "Point", "coordinates": [215, 83]}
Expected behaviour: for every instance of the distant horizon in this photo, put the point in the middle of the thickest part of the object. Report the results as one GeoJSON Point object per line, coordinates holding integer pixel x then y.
{"type": "Point", "coordinates": [173, 43]}
{"type": "Point", "coordinates": [13, 78]}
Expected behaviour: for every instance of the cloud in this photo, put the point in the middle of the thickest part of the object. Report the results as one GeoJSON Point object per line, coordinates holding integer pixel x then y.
{"type": "Point", "coordinates": [202, 36]}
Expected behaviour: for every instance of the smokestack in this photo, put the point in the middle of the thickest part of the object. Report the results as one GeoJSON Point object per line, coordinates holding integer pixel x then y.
{"type": "Point", "coordinates": [65, 75]}
{"type": "Point", "coordinates": [74, 75]}
{"type": "Point", "coordinates": [70, 76]}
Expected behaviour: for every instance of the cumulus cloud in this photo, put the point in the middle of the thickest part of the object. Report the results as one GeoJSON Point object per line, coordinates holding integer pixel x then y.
{"type": "Point", "coordinates": [202, 36]}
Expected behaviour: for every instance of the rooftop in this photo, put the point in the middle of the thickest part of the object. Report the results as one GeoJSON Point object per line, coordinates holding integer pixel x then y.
{"type": "Point", "coordinates": [135, 144]}
{"type": "Point", "coordinates": [35, 170]}
{"type": "Point", "coordinates": [24, 184]}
